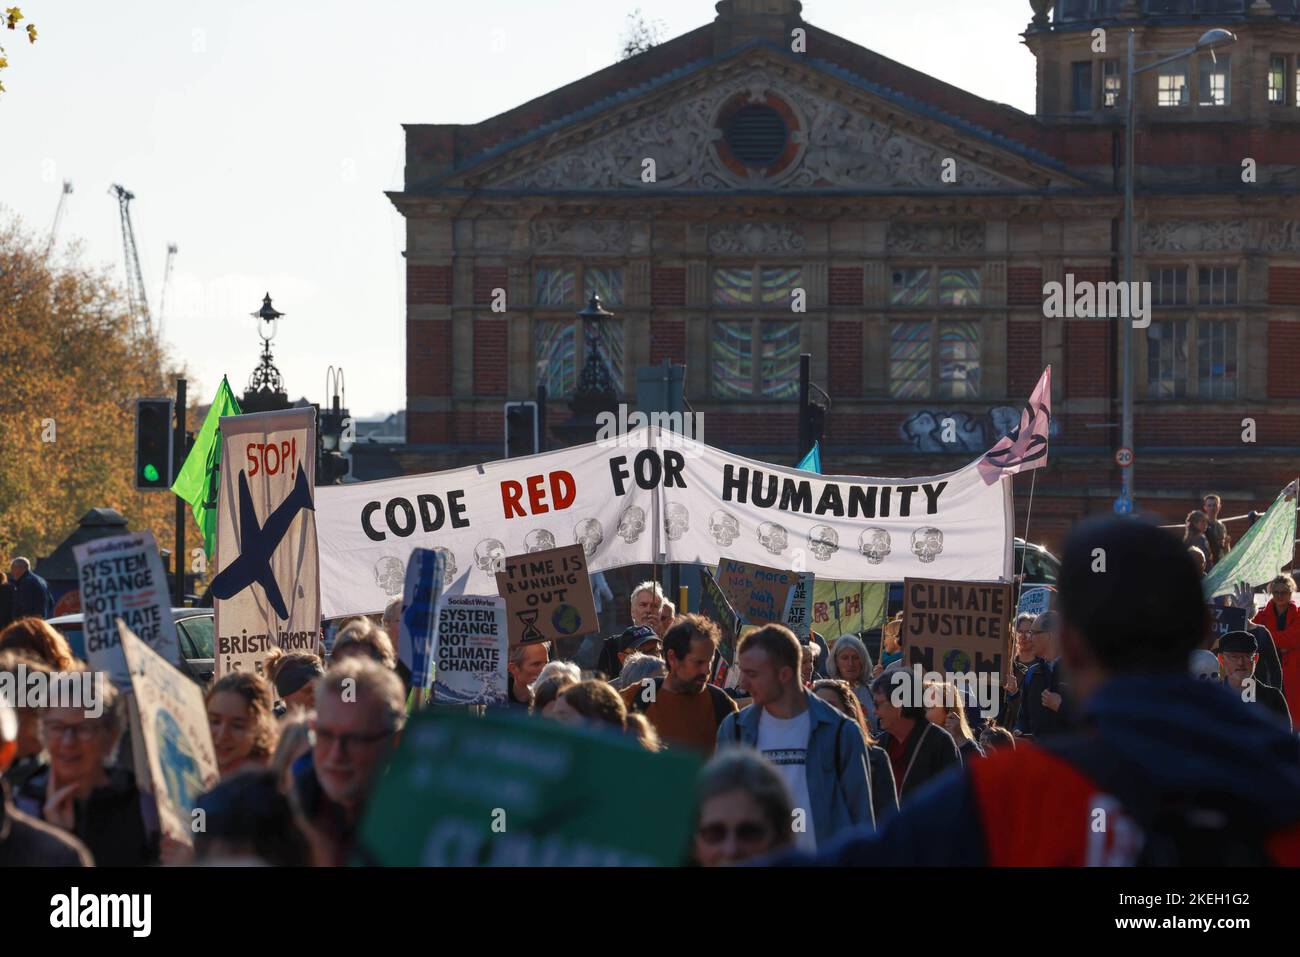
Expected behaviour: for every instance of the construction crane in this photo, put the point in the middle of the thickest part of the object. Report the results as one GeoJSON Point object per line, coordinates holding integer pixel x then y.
{"type": "Point", "coordinates": [139, 301]}
{"type": "Point", "coordinates": [167, 278]}
{"type": "Point", "coordinates": [58, 216]}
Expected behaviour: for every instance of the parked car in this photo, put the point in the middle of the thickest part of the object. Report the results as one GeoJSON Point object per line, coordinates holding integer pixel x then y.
{"type": "Point", "coordinates": [194, 628]}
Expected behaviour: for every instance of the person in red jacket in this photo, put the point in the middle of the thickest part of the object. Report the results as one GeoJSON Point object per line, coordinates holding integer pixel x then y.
{"type": "Point", "coordinates": [1281, 617]}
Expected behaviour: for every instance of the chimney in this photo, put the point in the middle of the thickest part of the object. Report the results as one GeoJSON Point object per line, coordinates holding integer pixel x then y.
{"type": "Point", "coordinates": [741, 21]}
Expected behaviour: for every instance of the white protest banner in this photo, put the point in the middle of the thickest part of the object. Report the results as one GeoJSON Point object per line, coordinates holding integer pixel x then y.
{"type": "Point", "coordinates": [956, 526]}
{"type": "Point", "coordinates": [472, 650]}
{"type": "Point", "coordinates": [418, 629]}
{"type": "Point", "coordinates": [173, 724]}
{"type": "Point", "coordinates": [648, 497]}
{"type": "Point", "coordinates": [478, 516]}
{"type": "Point", "coordinates": [122, 577]}
{"type": "Point", "coordinates": [267, 583]}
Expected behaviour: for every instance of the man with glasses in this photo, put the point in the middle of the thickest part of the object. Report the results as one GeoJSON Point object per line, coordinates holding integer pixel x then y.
{"type": "Point", "coordinates": [79, 792]}
{"type": "Point", "coordinates": [25, 841]}
{"type": "Point", "coordinates": [1238, 655]}
{"type": "Point", "coordinates": [1281, 617]}
{"type": "Point", "coordinates": [360, 711]}
{"type": "Point", "coordinates": [1042, 701]}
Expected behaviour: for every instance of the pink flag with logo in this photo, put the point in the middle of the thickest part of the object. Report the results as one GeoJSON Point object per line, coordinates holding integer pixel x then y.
{"type": "Point", "coordinates": [1025, 446]}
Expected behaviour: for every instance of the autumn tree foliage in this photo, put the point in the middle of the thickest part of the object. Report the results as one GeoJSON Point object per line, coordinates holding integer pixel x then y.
{"type": "Point", "coordinates": [71, 367]}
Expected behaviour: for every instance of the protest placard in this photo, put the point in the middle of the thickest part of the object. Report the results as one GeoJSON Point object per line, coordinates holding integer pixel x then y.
{"type": "Point", "coordinates": [1036, 601]}
{"type": "Point", "coordinates": [798, 616]}
{"type": "Point", "coordinates": [472, 650]}
{"type": "Point", "coordinates": [498, 791]}
{"type": "Point", "coordinates": [177, 741]}
{"type": "Point", "coordinates": [418, 625]}
{"type": "Point", "coordinates": [1224, 619]}
{"type": "Point", "coordinates": [846, 608]}
{"type": "Point", "coordinates": [548, 595]}
{"type": "Point", "coordinates": [956, 627]}
{"type": "Point", "coordinates": [122, 577]}
{"type": "Point", "coordinates": [266, 589]}
{"type": "Point", "coordinates": [715, 606]}
{"type": "Point", "coordinates": [759, 594]}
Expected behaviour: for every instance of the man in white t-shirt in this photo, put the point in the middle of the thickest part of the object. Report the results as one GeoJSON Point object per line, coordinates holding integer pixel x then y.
{"type": "Point", "coordinates": [820, 753]}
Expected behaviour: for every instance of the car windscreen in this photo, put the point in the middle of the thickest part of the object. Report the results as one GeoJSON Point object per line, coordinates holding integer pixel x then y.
{"type": "Point", "coordinates": [199, 632]}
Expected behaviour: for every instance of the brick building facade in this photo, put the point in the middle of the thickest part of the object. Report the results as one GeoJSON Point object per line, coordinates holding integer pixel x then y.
{"type": "Point", "coordinates": [758, 188]}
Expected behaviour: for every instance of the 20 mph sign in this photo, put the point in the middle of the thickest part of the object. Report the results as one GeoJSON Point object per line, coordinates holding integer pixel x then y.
{"type": "Point", "coordinates": [1123, 457]}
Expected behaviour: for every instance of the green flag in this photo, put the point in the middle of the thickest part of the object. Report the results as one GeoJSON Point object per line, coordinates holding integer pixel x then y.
{"type": "Point", "coordinates": [1262, 551]}
{"type": "Point", "coordinates": [197, 483]}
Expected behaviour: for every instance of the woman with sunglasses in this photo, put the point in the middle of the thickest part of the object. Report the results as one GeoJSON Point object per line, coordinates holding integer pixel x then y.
{"type": "Point", "coordinates": [744, 811]}
{"type": "Point", "coordinates": [1281, 617]}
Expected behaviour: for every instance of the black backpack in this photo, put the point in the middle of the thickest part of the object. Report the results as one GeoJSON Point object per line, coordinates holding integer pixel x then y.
{"type": "Point", "coordinates": [1205, 829]}
{"type": "Point", "coordinates": [722, 703]}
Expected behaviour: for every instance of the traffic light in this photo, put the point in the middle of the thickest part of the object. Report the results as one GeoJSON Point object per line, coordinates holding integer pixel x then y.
{"type": "Point", "coordinates": [153, 444]}
{"type": "Point", "coordinates": [521, 429]}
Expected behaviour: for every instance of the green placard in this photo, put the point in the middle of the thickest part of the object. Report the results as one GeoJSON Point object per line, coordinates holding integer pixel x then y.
{"type": "Point", "coordinates": [501, 790]}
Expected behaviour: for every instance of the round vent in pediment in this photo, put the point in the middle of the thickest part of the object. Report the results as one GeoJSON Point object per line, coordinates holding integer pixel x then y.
{"type": "Point", "coordinates": [759, 137]}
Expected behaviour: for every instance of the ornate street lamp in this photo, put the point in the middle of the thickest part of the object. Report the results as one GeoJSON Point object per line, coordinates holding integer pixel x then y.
{"type": "Point", "coordinates": [265, 390]}
{"type": "Point", "coordinates": [596, 391]}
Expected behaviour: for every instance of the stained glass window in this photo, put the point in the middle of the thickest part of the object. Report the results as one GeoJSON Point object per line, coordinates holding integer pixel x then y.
{"type": "Point", "coordinates": [779, 284]}
{"type": "Point", "coordinates": [554, 286]}
{"type": "Point", "coordinates": [1169, 286]}
{"type": "Point", "coordinates": [959, 360]}
{"type": "Point", "coordinates": [959, 287]}
{"type": "Point", "coordinates": [555, 343]}
{"type": "Point", "coordinates": [733, 359]}
{"type": "Point", "coordinates": [1167, 359]}
{"type": "Point", "coordinates": [909, 360]}
{"type": "Point", "coordinates": [733, 286]}
{"type": "Point", "coordinates": [1217, 285]}
{"type": "Point", "coordinates": [911, 287]}
{"type": "Point", "coordinates": [1216, 359]}
{"type": "Point", "coordinates": [1277, 80]}
{"type": "Point", "coordinates": [603, 282]}
{"type": "Point", "coordinates": [780, 368]}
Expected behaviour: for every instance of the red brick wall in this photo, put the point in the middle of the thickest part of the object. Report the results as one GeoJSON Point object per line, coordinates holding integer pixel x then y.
{"type": "Point", "coordinates": [428, 357]}
{"type": "Point", "coordinates": [844, 344]}
{"type": "Point", "coordinates": [1283, 285]}
{"type": "Point", "coordinates": [428, 285]}
{"type": "Point", "coordinates": [491, 357]}
{"type": "Point", "coordinates": [667, 341]}
{"type": "Point", "coordinates": [1283, 349]}
{"type": "Point", "coordinates": [844, 286]}
{"type": "Point", "coordinates": [1024, 286]}
{"type": "Point", "coordinates": [1024, 357]}
{"type": "Point", "coordinates": [668, 286]}
{"type": "Point", "coordinates": [427, 428]}
{"type": "Point", "coordinates": [487, 278]}
{"type": "Point", "coordinates": [1088, 346]}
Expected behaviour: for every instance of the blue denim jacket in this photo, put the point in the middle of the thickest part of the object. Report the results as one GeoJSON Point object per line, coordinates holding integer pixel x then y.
{"type": "Point", "coordinates": [839, 790]}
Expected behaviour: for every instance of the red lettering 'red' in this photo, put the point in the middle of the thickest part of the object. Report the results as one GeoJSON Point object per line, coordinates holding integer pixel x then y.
{"type": "Point", "coordinates": [561, 486]}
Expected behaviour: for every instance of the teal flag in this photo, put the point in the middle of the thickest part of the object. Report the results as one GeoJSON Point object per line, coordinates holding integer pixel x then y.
{"type": "Point", "coordinates": [1262, 551]}
{"type": "Point", "coordinates": [812, 462]}
{"type": "Point", "coordinates": [197, 483]}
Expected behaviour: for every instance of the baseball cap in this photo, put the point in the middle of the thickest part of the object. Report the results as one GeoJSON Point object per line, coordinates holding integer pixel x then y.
{"type": "Point", "coordinates": [1235, 642]}
{"type": "Point", "coordinates": [636, 636]}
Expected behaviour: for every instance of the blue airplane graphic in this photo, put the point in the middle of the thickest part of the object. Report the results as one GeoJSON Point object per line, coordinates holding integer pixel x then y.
{"type": "Point", "coordinates": [257, 543]}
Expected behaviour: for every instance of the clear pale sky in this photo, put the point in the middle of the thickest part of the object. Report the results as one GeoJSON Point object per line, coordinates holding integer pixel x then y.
{"type": "Point", "coordinates": [260, 137]}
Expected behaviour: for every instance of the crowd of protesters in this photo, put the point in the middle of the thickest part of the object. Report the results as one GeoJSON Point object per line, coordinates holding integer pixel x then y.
{"type": "Point", "coordinates": [818, 754]}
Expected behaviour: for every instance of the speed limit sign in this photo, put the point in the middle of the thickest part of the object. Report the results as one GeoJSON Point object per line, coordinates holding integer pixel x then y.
{"type": "Point", "coordinates": [1123, 457]}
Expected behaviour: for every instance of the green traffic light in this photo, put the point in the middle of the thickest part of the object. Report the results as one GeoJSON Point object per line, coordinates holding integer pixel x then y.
{"type": "Point", "coordinates": [151, 473]}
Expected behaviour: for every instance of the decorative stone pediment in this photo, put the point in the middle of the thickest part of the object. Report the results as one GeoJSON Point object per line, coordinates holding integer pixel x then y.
{"type": "Point", "coordinates": [814, 139]}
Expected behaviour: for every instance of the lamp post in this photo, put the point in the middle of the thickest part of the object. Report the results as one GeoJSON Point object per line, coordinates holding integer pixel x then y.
{"type": "Point", "coordinates": [595, 392]}
{"type": "Point", "coordinates": [265, 390]}
{"type": "Point", "coordinates": [1209, 40]}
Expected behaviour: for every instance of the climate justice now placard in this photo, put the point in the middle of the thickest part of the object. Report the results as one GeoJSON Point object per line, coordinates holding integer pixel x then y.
{"type": "Point", "coordinates": [652, 497]}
